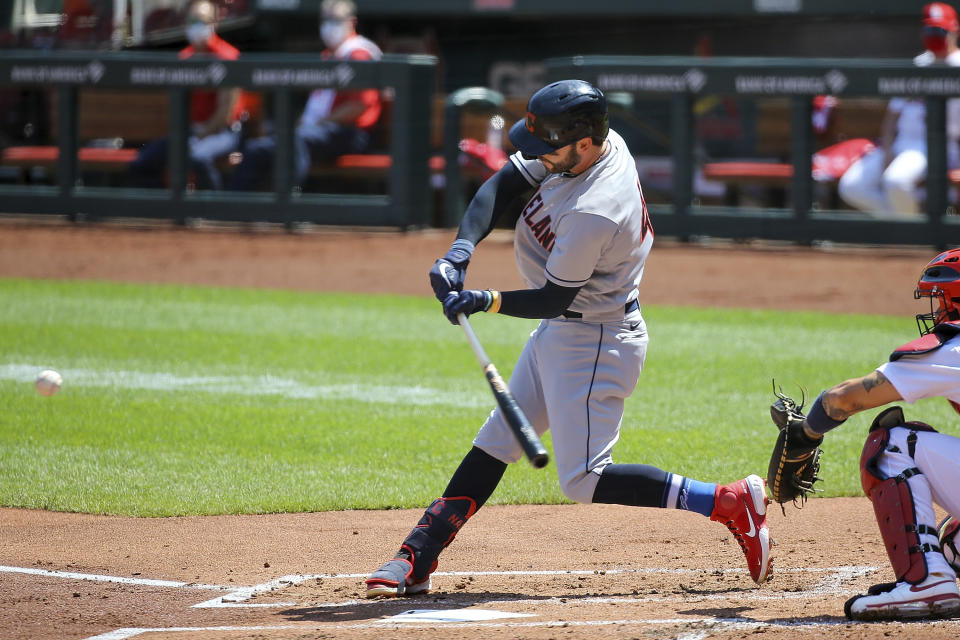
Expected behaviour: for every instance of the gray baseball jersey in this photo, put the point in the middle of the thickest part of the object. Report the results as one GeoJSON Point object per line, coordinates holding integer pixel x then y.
{"type": "Point", "coordinates": [590, 230]}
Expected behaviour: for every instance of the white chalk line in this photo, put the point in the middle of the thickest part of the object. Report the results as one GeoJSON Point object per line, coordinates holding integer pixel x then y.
{"type": "Point", "coordinates": [710, 624]}
{"type": "Point", "coordinates": [266, 385]}
{"type": "Point", "coordinates": [830, 584]}
{"type": "Point", "coordinates": [237, 596]}
{"type": "Point", "coordinates": [130, 632]}
{"type": "Point", "coordinates": [146, 582]}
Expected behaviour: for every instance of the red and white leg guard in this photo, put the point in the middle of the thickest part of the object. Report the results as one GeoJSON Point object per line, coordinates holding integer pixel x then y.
{"type": "Point", "coordinates": [926, 586]}
{"type": "Point", "coordinates": [901, 496]}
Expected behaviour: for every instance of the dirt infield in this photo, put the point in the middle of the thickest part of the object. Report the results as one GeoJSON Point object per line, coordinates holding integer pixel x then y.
{"type": "Point", "coordinates": [534, 572]}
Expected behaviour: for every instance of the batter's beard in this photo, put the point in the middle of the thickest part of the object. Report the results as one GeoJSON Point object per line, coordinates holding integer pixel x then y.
{"type": "Point", "coordinates": [564, 164]}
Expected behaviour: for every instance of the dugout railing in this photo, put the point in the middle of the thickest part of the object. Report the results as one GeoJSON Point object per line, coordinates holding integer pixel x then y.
{"type": "Point", "coordinates": [682, 80]}
{"type": "Point", "coordinates": [410, 80]}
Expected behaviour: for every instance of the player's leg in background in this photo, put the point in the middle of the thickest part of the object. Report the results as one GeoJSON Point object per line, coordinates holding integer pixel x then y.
{"type": "Point", "coordinates": [325, 142]}
{"type": "Point", "coordinates": [860, 186]}
{"type": "Point", "coordinates": [204, 153]}
{"type": "Point", "coordinates": [901, 180]}
{"type": "Point", "coordinates": [148, 169]}
{"type": "Point", "coordinates": [258, 161]}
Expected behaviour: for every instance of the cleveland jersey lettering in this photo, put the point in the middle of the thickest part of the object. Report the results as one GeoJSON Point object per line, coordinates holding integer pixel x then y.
{"type": "Point", "coordinates": [540, 228]}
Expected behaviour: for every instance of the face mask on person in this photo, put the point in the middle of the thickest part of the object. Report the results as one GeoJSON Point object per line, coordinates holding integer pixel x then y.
{"type": "Point", "coordinates": [935, 40]}
{"type": "Point", "coordinates": [334, 32]}
{"type": "Point", "coordinates": [199, 33]}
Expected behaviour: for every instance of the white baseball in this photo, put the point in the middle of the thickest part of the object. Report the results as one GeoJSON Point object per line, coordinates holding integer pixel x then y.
{"type": "Point", "coordinates": [48, 382]}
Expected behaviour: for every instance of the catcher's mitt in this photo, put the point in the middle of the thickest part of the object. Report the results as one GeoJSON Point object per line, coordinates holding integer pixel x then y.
{"type": "Point", "coordinates": [795, 462]}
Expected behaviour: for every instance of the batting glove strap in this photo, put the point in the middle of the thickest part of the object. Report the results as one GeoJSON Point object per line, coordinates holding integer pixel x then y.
{"type": "Point", "coordinates": [495, 300]}
{"type": "Point", "coordinates": [467, 302]}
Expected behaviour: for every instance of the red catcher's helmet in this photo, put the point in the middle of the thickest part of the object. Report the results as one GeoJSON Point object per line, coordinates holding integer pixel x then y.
{"type": "Point", "coordinates": [940, 282]}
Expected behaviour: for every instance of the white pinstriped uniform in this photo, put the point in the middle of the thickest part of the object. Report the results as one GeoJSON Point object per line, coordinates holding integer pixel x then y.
{"type": "Point", "coordinates": [590, 230]}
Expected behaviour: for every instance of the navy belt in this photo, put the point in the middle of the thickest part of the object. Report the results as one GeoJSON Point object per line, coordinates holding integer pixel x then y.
{"type": "Point", "coordinates": [628, 308]}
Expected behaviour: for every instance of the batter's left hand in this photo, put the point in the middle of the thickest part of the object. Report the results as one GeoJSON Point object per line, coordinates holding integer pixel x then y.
{"type": "Point", "coordinates": [466, 302]}
{"type": "Point", "coordinates": [447, 277]}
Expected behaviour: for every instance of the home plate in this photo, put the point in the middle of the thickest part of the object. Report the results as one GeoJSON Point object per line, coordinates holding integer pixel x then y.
{"type": "Point", "coordinates": [454, 615]}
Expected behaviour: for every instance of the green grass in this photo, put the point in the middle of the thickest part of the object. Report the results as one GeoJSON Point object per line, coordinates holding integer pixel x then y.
{"type": "Point", "coordinates": [193, 400]}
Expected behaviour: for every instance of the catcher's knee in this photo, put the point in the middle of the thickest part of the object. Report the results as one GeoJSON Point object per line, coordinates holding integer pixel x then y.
{"type": "Point", "coordinates": [892, 497]}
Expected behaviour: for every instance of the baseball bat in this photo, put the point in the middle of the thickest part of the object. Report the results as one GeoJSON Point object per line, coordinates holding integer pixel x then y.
{"type": "Point", "coordinates": [517, 421]}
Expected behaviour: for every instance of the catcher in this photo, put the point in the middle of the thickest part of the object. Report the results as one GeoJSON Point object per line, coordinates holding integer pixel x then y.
{"type": "Point", "coordinates": [905, 466]}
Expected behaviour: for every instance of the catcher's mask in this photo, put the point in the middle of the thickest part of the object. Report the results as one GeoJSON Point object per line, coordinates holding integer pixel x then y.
{"type": "Point", "coordinates": [940, 282]}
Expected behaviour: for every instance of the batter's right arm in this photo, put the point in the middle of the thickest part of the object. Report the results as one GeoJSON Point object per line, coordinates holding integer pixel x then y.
{"type": "Point", "coordinates": [490, 201]}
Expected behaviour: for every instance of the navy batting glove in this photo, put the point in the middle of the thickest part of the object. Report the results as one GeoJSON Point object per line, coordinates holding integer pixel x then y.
{"type": "Point", "coordinates": [466, 302]}
{"type": "Point", "coordinates": [446, 277]}
{"type": "Point", "coordinates": [448, 273]}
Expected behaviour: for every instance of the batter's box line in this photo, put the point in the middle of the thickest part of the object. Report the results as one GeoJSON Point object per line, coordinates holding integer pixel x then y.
{"type": "Point", "coordinates": [238, 597]}
{"type": "Point", "coordinates": [708, 625]}
{"type": "Point", "coordinates": [131, 632]}
{"type": "Point", "coordinates": [94, 577]}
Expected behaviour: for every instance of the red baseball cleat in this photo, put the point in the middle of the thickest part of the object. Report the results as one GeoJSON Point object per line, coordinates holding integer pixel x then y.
{"type": "Point", "coordinates": [742, 506]}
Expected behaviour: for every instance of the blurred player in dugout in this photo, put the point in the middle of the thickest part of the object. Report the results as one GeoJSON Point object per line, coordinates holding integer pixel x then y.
{"type": "Point", "coordinates": [216, 116]}
{"type": "Point", "coordinates": [333, 122]}
{"type": "Point", "coordinates": [885, 182]}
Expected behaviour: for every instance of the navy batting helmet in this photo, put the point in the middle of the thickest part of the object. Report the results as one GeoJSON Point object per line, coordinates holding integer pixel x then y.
{"type": "Point", "coordinates": [559, 114]}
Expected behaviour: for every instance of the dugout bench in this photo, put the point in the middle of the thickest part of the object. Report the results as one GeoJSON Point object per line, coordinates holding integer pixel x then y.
{"type": "Point", "coordinates": [113, 124]}
{"type": "Point", "coordinates": [73, 76]}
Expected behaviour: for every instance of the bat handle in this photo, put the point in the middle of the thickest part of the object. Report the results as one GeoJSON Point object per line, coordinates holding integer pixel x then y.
{"type": "Point", "coordinates": [473, 340]}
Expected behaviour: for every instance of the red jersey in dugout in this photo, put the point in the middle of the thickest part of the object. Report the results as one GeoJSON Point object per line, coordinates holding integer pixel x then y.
{"type": "Point", "coordinates": [930, 342]}
{"type": "Point", "coordinates": [203, 103]}
{"type": "Point", "coordinates": [322, 102]}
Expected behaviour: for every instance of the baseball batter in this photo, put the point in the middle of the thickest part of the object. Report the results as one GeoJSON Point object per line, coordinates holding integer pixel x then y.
{"type": "Point", "coordinates": [581, 244]}
{"type": "Point", "coordinates": [907, 466]}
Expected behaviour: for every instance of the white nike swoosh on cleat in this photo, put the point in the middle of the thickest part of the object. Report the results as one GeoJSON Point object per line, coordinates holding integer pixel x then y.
{"type": "Point", "coordinates": [753, 529]}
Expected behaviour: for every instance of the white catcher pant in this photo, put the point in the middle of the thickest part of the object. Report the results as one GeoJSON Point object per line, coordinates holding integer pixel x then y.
{"type": "Point", "coordinates": [572, 378]}
{"type": "Point", "coordinates": [937, 455]}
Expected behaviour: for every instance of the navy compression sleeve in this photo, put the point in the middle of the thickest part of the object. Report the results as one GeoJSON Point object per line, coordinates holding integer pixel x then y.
{"type": "Point", "coordinates": [490, 201]}
{"type": "Point", "coordinates": [547, 302]}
